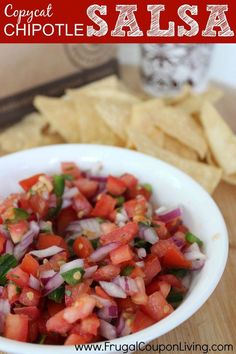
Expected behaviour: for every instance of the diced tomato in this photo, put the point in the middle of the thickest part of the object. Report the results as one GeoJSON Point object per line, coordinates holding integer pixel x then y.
{"type": "Point", "coordinates": [70, 168]}
{"type": "Point", "coordinates": [100, 292]}
{"type": "Point", "coordinates": [115, 185]}
{"type": "Point", "coordinates": [157, 307]}
{"type": "Point", "coordinates": [18, 276]}
{"type": "Point", "coordinates": [135, 207]}
{"type": "Point", "coordinates": [12, 292]}
{"type": "Point", "coordinates": [82, 247]}
{"type": "Point", "coordinates": [140, 297]}
{"type": "Point", "coordinates": [48, 240]}
{"type": "Point", "coordinates": [73, 292]}
{"type": "Point", "coordinates": [65, 217]}
{"type": "Point", "coordinates": [82, 308]}
{"type": "Point", "coordinates": [57, 323]}
{"type": "Point", "coordinates": [129, 180]}
{"type": "Point", "coordinates": [106, 273]}
{"type": "Point", "coordinates": [54, 307]}
{"type": "Point", "coordinates": [87, 187]}
{"type": "Point", "coordinates": [152, 268]}
{"type": "Point", "coordinates": [2, 243]}
{"type": "Point", "coordinates": [121, 254]}
{"type": "Point", "coordinates": [171, 256]}
{"type": "Point", "coordinates": [75, 338]}
{"type": "Point", "coordinates": [172, 280]}
{"type": "Point", "coordinates": [158, 285]}
{"type": "Point", "coordinates": [39, 205]}
{"type": "Point", "coordinates": [1, 220]}
{"type": "Point", "coordinates": [31, 311]}
{"type": "Point", "coordinates": [17, 230]}
{"type": "Point", "coordinates": [30, 265]}
{"type": "Point", "coordinates": [174, 258]}
{"type": "Point", "coordinates": [141, 321]}
{"type": "Point", "coordinates": [161, 230]}
{"type": "Point", "coordinates": [16, 327]}
{"type": "Point", "coordinates": [29, 297]}
{"type": "Point", "coordinates": [107, 227]}
{"type": "Point", "coordinates": [122, 234]}
{"type": "Point", "coordinates": [137, 272]}
{"type": "Point", "coordinates": [127, 305]}
{"type": "Point", "coordinates": [81, 206]}
{"type": "Point", "coordinates": [104, 206]}
{"type": "Point", "coordinates": [160, 247]}
{"type": "Point", "coordinates": [28, 183]}
{"type": "Point", "coordinates": [90, 325]}
{"type": "Point", "coordinates": [58, 260]}
{"type": "Point", "coordinates": [33, 332]}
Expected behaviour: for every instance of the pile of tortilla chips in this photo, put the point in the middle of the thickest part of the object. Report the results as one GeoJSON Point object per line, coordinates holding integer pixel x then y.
{"type": "Point", "coordinates": [185, 131]}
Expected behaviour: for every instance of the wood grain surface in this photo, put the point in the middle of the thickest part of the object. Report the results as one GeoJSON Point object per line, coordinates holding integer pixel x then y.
{"type": "Point", "coordinates": [215, 322]}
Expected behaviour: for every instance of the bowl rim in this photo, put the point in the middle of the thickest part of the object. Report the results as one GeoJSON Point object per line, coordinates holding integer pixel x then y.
{"type": "Point", "coordinates": [165, 325]}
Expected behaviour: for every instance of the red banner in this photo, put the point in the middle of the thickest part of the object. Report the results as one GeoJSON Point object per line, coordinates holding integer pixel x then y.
{"type": "Point", "coordinates": [86, 21]}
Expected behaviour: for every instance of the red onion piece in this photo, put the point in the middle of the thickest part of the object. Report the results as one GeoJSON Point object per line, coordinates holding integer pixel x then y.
{"type": "Point", "coordinates": [66, 203]}
{"type": "Point", "coordinates": [179, 239]}
{"type": "Point", "coordinates": [141, 252]}
{"type": "Point", "coordinates": [69, 193]}
{"type": "Point", "coordinates": [107, 330]}
{"type": "Point", "coordinates": [5, 307]}
{"type": "Point", "coordinates": [89, 271]}
{"type": "Point", "coordinates": [53, 284]}
{"type": "Point", "coordinates": [102, 252]}
{"type": "Point", "coordinates": [9, 248]}
{"type": "Point", "coordinates": [47, 252]}
{"type": "Point", "coordinates": [150, 235]}
{"type": "Point", "coordinates": [1, 290]}
{"type": "Point", "coordinates": [103, 302]}
{"type": "Point", "coordinates": [127, 284]}
{"type": "Point", "coordinates": [34, 283]}
{"type": "Point", "coordinates": [108, 312]}
{"type": "Point", "coordinates": [169, 215]}
{"type": "Point", "coordinates": [46, 275]}
{"type": "Point", "coordinates": [140, 264]}
{"type": "Point", "coordinates": [113, 289]}
{"type": "Point", "coordinates": [120, 325]}
{"type": "Point", "coordinates": [194, 254]}
{"type": "Point", "coordinates": [77, 263]}
{"type": "Point", "coordinates": [27, 240]}
{"type": "Point", "coordinates": [92, 227]}
{"type": "Point", "coordinates": [4, 231]}
{"type": "Point", "coordinates": [98, 178]}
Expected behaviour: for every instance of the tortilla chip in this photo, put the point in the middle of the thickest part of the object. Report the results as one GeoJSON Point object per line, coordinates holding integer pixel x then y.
{"type": "Point", "coordinates": [177, 125]}
{"type": "Point", "coordinates": [116, 112]}
{"type": "Point", "coordinates": [26, 134]}
{"type": "Point", "coordinates": [194, 103]}
{"type": "Point", "coordinates": [175, 146]}
{"type": "Point", "coordinates": [143, 123]}
{"type": "Point", "coordinates": [221, 138]}
{"type": "Point", "coordinates": [61, 116]}
{"type": "Point", "coordinates": [92, 128]}
{"type": "Point", "coordinates": [208, 176]}
{"type": "Point", "coordinates": [231, 179]}
{"type": "Point", "coordinates": [180, 97]}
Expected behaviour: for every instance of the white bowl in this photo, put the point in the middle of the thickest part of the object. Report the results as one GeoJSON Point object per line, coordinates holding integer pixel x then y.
{"type": "Point", "coordinates": [171, 187]}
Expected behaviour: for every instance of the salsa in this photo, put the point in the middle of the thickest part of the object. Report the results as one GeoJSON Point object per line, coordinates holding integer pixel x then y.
{"type": "Point", "coordinates": [85, 258]}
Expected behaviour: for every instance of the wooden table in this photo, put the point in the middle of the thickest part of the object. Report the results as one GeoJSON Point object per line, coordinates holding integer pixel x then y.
{"type": "Point", "coordinates": [215, 322]}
